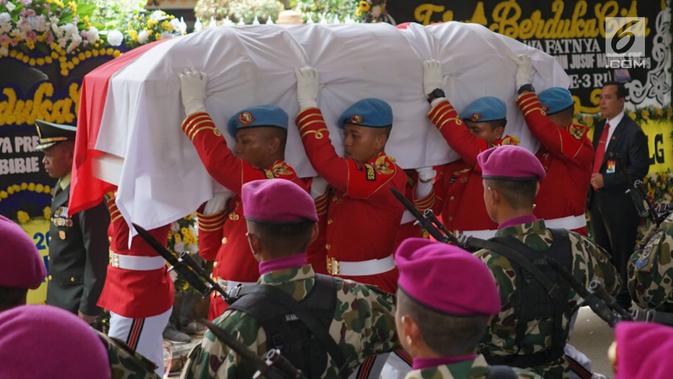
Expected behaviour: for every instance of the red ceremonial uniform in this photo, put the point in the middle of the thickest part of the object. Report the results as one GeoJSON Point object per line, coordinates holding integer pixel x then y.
{"type": "Point", "coordinates": [567, 156]}
{"type": "Point", "coordinates": [363, 216]}
{"type": "Point", "coordinates": [222, 236]}
{"type": "Point", "coordinates": [139, 292]}
{"type": "Point", "coordinates": [459, 188]}
{"type": "Point", "coordinates": [315, 253]}
{"type": "Point", "coordinates": [408, 229]}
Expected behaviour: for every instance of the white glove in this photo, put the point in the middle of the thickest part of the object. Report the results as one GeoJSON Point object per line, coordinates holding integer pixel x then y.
{"type": "Point", "coordinates": [432, 75]}
{"type": "Point", "coordinates": [193, 91]}
{"type": "Point", "coordinates": [217, 203]}
{"type": "Point", "coordinates": [318, 187]}
{"type": "Point", "coordinates": [424, 185]}
{"type": "Point", "coordinates": [524, 71]}
{"type": "Point", "coordinates": [308, 82]}
{"type": "Point", "coordinates": [426, 174]}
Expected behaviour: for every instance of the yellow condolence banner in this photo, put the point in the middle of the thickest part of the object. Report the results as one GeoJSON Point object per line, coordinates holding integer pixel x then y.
{"type": "Point", "coordinates": [660, 143]}
{"type": "Point", "coordinates": [38, 230]}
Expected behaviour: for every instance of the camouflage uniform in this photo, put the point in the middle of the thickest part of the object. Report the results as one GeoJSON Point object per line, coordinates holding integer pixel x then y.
{"type": "Point", "coordinates": [363, 325]}
{"type": "Point", "coordinates": [650, 270]}
{"type": "Point", "coordinates": [588, 262]}
{"type": "Point", "coordinates": [476, 369]}
{"type": "Point", "coordinates": [125, 363]}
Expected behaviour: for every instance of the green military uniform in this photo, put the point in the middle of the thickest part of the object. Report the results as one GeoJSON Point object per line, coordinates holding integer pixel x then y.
{"type": "Point", "coordinates": [470, 369]}
{"type": "Point", "coordinates": [78, 245]}
{"type": "Point", "coordinates": [588, 262]}
{"type": "Point", "coordinates": [126, 363]}
{"type": "Point", "coordinates": [78, 253]}
{"type": "Point", "coordinates": [363, 325]}
{"type": "Point", "coordinates": [650, 270]}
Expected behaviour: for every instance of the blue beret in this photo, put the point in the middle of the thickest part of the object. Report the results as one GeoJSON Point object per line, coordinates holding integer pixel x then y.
{"type": "Point", "coordinates": [556, 99]}
{"type": "Point", "coordinates": [374, 113]}
{"type": "Point", "coordinates": [263, 115]}
{"type": "Point", "coordinates": [484, 109]}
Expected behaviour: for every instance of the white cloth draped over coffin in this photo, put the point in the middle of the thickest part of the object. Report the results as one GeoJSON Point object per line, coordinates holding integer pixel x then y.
{"type": "Point", "coordinates": [162, 178]}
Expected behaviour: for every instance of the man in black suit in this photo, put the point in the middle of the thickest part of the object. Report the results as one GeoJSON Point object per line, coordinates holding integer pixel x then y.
{"type": "Point", "coordinates": [621, 154]}
{"type": "Point", "coordinates": [78, 245]}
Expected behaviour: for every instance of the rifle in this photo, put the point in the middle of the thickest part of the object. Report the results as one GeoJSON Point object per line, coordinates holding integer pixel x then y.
{"type": "Point", "coordinates": [426, 220]}
{"type": "Point", "coordinates": [273, 366]}
{"type": "Point", "coordinates": [188, 268]}
{"type": "Point", "coordinates": [598, 300]}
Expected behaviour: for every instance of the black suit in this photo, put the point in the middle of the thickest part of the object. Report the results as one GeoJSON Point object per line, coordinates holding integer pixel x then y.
{"type": "Point", "coordinates": [614, 219]}
{"type": "Point", "coordinates": [78, 255]}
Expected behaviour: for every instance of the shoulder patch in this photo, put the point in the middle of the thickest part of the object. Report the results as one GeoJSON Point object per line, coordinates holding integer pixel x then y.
{"type": "Point", "coordinates": [384, 165]}
{"type": "Point", "coordinates": [282, 169]}
{"type": "Point", "coordinates": [577, 131]}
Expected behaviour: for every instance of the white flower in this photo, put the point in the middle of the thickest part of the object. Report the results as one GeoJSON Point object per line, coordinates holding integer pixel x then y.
{"type": "Point", "coordinates": [179, 26]}
{"type": "Point", "coordinates": [143, 36]}
{"type": "Point", "coordinates": [10, 6]}
{"type": "Point", "coordinates": [37, 23]}
{"type": "Point", "coordinates": [69, 29]}
{"type": "Point", "coordinates": [179, 247]}
{"type": "Point", "coordinates": [198, 26]}
{"type": "Point", "coordinates": [92, 35]}
{"type": "Point", "coordinates": [74, 43]}
{"type": "Point", "coordinates": [115, 37]}
{"type": "Point", "coordinates": [175, 227]}
{"type": "Point", "coordinates": [5, 23]}
{"type": "Point", "coordinates": [4, 51]}
{"type": "Point", "coordinates": [157, 16]}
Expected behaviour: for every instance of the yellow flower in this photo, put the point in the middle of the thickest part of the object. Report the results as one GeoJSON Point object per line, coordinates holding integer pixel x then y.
{"type": "Point", "coordinates": [73, 6]}
{"type": "Point", "coordinates": [632, 115]}
{"type": "Point", "coordinates": [3, 194]}
{"type": "Point", "coordinates": [151, 23]}
{"type": "Point", "coordinates": [659, 112]}
{"type": "Point", "coordinates": [166, 25]}
{"type": "Point", "coordinates": [31, 187]}
{"type": "Point", "coordinates": [157, 36]}
{"type": "Point", "coordinates": [133, 35]}
{"type": "Point", "coordinates": [363, 7]}
{"type": "Point", "coordinates": [22, 217]}
{"type": "Point", "coordinates": [46, 212]}
{"type": "Point", "coordinates": [24, 185]}
{"type": "Point", "coordinates": [47, 189]}
{"type": "Point", "coordinates": [645, 114]}
{"type": "Point", "coordinates": [39, 187]}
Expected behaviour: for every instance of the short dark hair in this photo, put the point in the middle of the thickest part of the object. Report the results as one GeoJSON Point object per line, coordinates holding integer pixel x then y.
{"type": "Point", "coordinates": [519, 194]}
{"type": "Point", "coordinates": [284, 237]}
{"type": "Point", "coordinates": [621, 89]}
{"type": "Point", "coordinates": [11, 297]}
{"type": "Point", "coordinates": [447, 335]}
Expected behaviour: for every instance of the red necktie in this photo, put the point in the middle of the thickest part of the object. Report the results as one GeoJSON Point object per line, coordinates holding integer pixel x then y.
{"type": "Point", "coordinates": [600, 149]}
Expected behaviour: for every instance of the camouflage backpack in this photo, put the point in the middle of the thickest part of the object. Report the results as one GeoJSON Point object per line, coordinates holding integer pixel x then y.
{"type": "Point", "coordinates": [126, 363]}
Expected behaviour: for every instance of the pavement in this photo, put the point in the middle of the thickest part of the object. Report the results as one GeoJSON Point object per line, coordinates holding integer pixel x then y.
{"type": "Point", "coordinates": [593, 337]}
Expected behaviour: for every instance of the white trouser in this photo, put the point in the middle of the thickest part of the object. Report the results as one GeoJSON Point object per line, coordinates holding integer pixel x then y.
{"type": "Point", "coordinates": [144, 335]}
{"type": "Point", "coordinates": [395, 367]}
